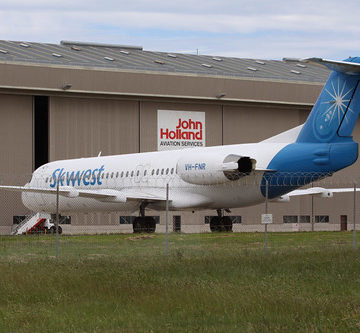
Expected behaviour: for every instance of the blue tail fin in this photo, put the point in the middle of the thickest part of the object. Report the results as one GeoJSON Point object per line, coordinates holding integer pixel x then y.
{"type": "Point", "coordinates": [324, 144]}
{"type": "Point", "coordinates": [334, 115]}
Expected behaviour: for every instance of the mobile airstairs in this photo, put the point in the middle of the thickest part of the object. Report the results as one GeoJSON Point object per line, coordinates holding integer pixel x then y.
{"type": "Point", "coordinates": [36, 223]}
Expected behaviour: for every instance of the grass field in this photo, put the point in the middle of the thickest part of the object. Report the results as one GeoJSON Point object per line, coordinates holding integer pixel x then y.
{"type": "Point", "coordinates": [307, 282]}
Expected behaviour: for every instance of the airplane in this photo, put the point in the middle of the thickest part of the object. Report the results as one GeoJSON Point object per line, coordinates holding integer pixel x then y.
{"type": "Point", "coordinates": [219, 177]}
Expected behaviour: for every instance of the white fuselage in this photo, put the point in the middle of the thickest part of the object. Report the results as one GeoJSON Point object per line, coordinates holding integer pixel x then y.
{"type": "Point", "coordinates": [149, 173]}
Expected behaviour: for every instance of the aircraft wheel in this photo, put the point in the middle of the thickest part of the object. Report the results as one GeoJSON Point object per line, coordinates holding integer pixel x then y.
{"type": "Point", "coordinates": [152, 225]}
{"type": "Point", "coordinates": [226, 223]}
{"type": "Point", "coordinates": [215, 224]}
{"type": "Point", "coordinates": [137, 225]}
{"type": "Point", "coordinates": [149, 224]}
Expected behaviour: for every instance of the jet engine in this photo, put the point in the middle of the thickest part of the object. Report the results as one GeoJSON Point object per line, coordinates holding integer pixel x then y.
{"type": "Point", "coordinates": [211, 169]}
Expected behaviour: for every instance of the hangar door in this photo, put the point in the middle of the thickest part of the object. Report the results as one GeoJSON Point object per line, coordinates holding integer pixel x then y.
{"type": "Point", "coordinates": [16, 158]}
{"type": "Point", "coordinates": [83, 127]}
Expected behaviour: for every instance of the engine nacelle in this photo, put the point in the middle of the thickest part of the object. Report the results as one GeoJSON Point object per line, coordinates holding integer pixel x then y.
{"type": "Point", "coordinates": [211, 169]}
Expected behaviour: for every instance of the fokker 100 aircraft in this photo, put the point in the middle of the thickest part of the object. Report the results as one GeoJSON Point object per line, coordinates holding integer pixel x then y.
{"type": "Point", "coordinates": [219, 178]}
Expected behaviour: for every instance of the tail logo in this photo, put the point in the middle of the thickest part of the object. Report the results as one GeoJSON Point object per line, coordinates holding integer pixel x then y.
{"type": "Point", "coordinates": [335, 107]}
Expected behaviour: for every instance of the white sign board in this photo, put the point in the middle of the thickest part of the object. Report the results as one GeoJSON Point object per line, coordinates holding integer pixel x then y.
{"type": "Point", "coordinates": [266, 218]}
{"type": "Point", "coordinates": [180, 129]}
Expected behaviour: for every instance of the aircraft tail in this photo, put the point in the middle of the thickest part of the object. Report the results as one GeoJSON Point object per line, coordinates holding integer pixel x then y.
{"type": "Point", "coordinates": [324, 144]}
{"type": "Point", "coordinates": [335, 113]}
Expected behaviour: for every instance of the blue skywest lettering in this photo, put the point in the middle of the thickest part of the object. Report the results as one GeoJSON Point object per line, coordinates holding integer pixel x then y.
{"type": "Point", "coordinates": [61, 177]}
{"type": "Point", "coordinates": [87, 175]}
{"type": "Point", "coordinates": [54, 178]}
{"type": "Point", "coordinates": [78, 177]}
{"type": "Point", "coordinates": [99, 175]}
{"type": "Point", "coordinates": [70, 178]}
{"type": "Point", "coordinates": [93, 181]}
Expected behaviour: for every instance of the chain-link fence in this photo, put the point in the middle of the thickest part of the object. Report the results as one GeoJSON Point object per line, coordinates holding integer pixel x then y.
{"type": "Point", "coordinates": [51, 215]}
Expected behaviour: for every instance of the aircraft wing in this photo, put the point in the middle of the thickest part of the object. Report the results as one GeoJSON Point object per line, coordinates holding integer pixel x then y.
{"type": "Point", "coordinates": [106, 195]}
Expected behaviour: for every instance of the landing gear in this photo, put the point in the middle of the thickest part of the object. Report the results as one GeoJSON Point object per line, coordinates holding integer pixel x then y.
{"type": "Point", "coordinates": [52, 230]}
{"type": "Point", "coordinates": [144, 223]}
{"type": "Point", "coordinates": [220, 223]}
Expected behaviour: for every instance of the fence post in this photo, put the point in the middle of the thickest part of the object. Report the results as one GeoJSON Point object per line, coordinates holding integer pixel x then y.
{"type": "Point", "coordinates": [266, 211]}
{"type": "Point", "coordinates": [57, 222]}
{"type": "Point", "coordinates": [167, 219]}
{"type": "Point", "coordinates": [354, 217]}
{"type": "Point", "coordinates": [312, 211]}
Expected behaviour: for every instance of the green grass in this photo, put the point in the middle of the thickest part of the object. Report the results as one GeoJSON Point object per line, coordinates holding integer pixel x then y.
{"type": "Point", "coordinates": [209, 283]}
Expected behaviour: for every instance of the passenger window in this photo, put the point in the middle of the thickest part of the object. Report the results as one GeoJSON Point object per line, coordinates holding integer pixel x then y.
{"type": "Point", "coordinates": [102, 176]}
{"type": "Point", "coordinates": [167, 171]}
{"type": "Point", "coordinates": [157, 172]}
{"type": "Point", "coordinates": [132, 173]}
{"type": "Point", "coordinates": [172, 170]}
{"type": "Point", "coordinates": [46, 180]}
{"type": "Point", "coordinates": [127, 173]}
{"type": "Point", "coordinates": [145, 172]}
{"type": "Point", "coordinates": [137, 173]}
{"type": "Point", "coordinates": [117, 174]}
{"type": "Point", "coordinates": [122, 174]}
{"type": "Point", "coordinates": [152, 172]}
{"type": "Point", "coordinates": [107, 175]}
{"type": "Point", "coordinates": [162, 171]}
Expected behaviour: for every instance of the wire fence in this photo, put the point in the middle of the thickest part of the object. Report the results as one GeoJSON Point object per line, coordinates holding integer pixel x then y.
{"type": "Point", "coordinates": [51, 214]}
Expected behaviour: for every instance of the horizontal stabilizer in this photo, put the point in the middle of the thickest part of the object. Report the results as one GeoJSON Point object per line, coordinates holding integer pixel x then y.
{"type": "Point", "coordinates": [346, 67]}
{"type": "Point", "coordinates": [315, 191]}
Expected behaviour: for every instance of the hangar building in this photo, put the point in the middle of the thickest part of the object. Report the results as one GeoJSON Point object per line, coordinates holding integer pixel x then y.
{"type": "Point", "coordinates": [78, 99]}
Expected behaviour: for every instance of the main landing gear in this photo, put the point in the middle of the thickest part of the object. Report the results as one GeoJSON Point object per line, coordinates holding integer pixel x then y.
{"type": "Point", "coordinates": [220, 222]}
{"type": "Point", "coordinates": [144, 223]}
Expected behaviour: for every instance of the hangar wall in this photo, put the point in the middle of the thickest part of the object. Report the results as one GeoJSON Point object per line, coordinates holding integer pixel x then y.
{"type": "Point", "coordinates": [82, 127]}
{"type": "Point", "coordinates": [16, 153]}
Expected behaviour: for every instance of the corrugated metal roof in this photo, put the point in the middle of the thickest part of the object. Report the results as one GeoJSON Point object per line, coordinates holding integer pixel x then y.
{"type": "Point", "coordinates": [135, 58]}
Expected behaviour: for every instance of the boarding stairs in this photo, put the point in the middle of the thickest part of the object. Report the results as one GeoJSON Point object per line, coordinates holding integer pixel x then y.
{"type": "Point", "coordinates": [30, 223]}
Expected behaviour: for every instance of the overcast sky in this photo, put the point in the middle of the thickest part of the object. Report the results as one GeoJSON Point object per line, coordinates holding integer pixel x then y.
{"type": "Point", "coordinates": [255, 29]}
